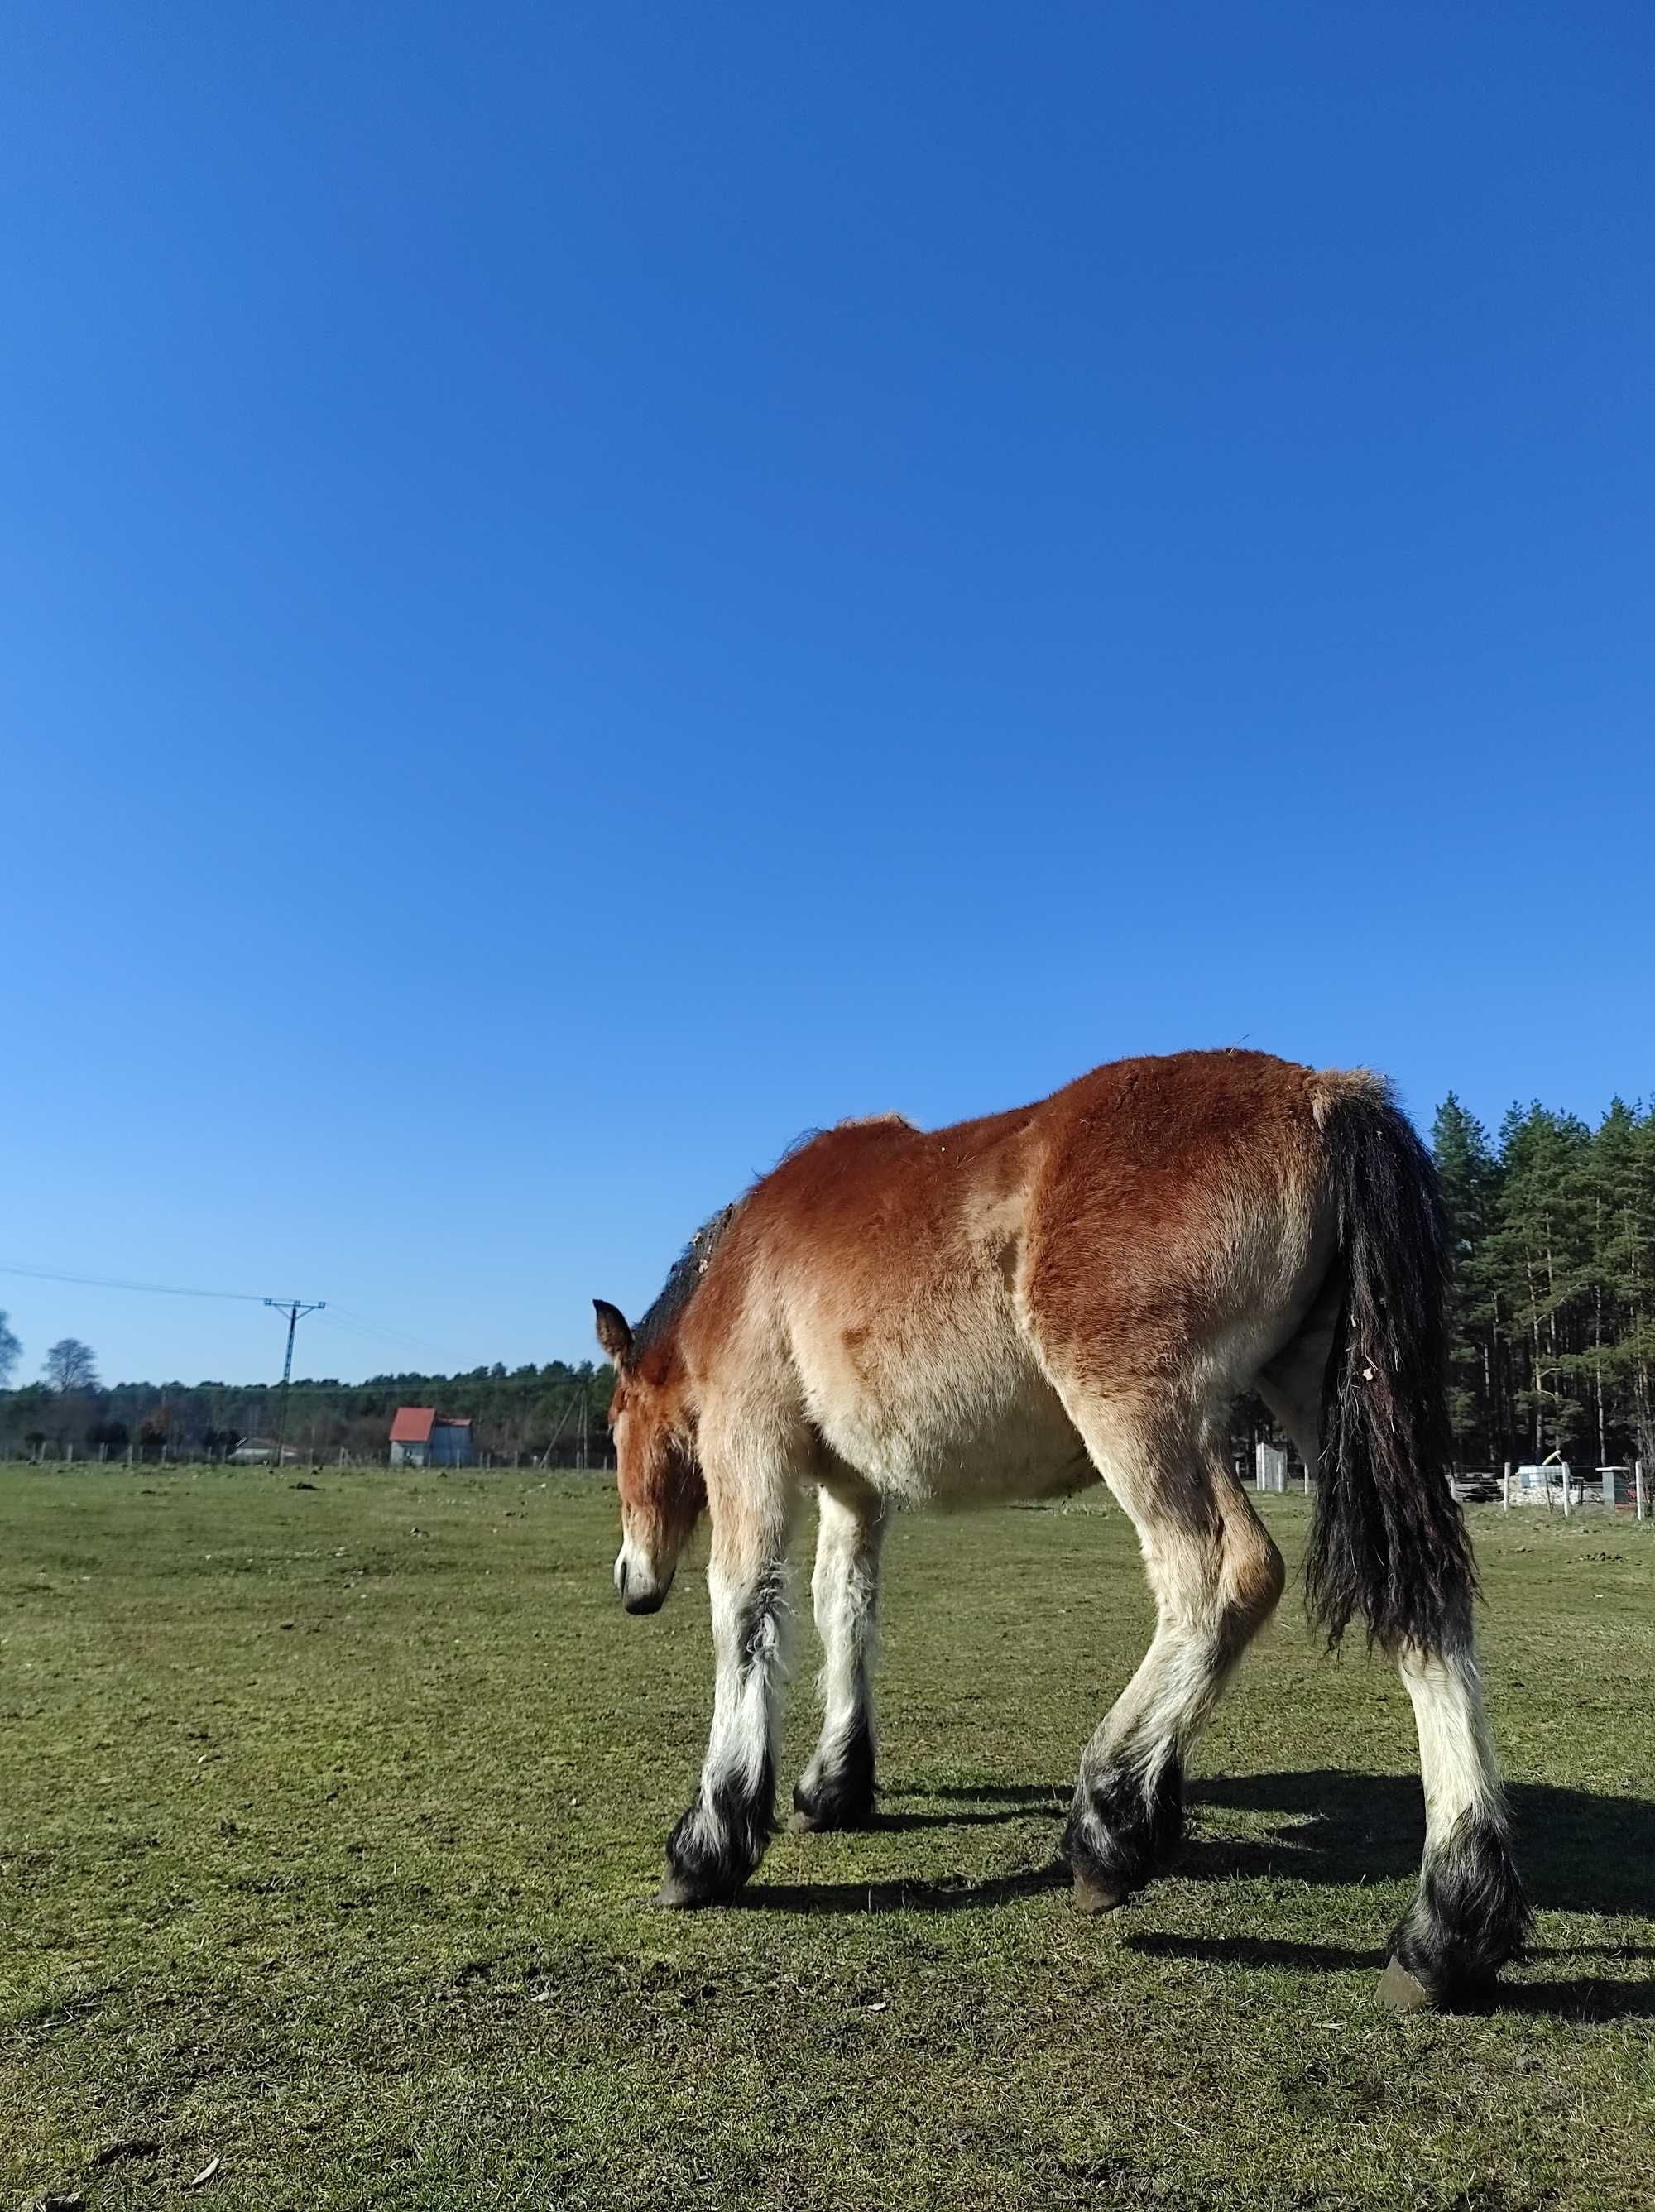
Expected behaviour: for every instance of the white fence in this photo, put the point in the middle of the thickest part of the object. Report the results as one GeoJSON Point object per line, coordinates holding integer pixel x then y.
{"type": "Point", "coordinates": [1553, 1484]}
{"type": "Point", "coordinates": [1558, 1486]}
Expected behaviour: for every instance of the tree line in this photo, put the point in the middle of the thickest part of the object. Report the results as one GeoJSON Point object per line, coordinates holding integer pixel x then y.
{"type": "Point", "coordinates": [1552, 1332]}
{"type": "Point", "coordinates": [522, 1413]}
{"type": "Point", "coordinates": [1553, 1314]}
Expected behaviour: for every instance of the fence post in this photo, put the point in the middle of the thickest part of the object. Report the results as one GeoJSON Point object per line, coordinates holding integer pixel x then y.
{"type": "Point", "coordinates": [1567, 1485]}
{"type": "Point", "coordinates": [1638, 1479]}
{"type": "Point", "coordinates": [1506, 1489]}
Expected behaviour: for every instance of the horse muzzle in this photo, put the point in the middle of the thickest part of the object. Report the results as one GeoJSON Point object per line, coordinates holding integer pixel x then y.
{"type": "Point", "coordinates": [639, 1590]}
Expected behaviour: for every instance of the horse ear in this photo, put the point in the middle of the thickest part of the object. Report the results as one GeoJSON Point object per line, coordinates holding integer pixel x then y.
{"type": "Point", "coordinates": [614, 1334]}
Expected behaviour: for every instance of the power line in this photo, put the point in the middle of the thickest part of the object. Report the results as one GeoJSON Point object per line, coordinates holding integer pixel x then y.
{"type": "Point", "coordinates": [113, 1283]}
{"type": "Point", "coordinates": [357, 1324]}
{"type": "Point", "coordinates": [354, 1324]}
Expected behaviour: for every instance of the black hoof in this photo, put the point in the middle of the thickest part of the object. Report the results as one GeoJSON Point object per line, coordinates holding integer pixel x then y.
{"type": "Point", "coordinates": [716, 1846]}
{"type": "Point", "coordinates": [1122, 1834]}
{"type": "Point", "coordinates": [1469, 1918]}
{"type": "Point", "coordinates": [822, 1812]}
{"type": "Point", "coordinates": [1401, 1991]}
{"type": "Point", "coordinates": [836, 1789]}
{"type": "Point", "coordinates": [1091, 1897]}
{"type": "Point", "coordinates": [677, 1895]}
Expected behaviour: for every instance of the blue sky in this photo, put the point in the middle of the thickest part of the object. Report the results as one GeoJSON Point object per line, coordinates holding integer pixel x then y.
{"type": "Point", "coordinates": [584, 589]}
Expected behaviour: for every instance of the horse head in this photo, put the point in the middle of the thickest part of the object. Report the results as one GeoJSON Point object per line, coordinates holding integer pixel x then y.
{"type": "Point", "coordinates": [661, 1483]}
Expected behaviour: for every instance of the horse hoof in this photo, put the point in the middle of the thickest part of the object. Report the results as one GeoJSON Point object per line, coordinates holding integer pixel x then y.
{"type": "Point", "coordinates": [675, 1895]}
{"type": "Point", "coordinates": [1401, 1991]}
{"type": "Point", "coordinates": [828, 1820]}
{"type": "Point", "coordinates": [1093, 1898]}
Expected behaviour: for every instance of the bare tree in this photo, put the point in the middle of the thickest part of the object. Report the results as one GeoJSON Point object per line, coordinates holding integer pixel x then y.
{"type": "Point", "coordinates": [69, 1365]}
{"type": "Point", "coordinates": [11, 1353]}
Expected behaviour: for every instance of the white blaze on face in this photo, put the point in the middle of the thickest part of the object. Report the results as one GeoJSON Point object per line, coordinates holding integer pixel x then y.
{"type": "Point", "coordinates": [634, 1577]}
{"type": "Point", "coordinates": [637, 1578]}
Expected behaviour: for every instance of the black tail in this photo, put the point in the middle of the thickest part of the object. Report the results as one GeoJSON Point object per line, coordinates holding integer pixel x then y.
{"type": "Point", "coordinates": [1388, 1542]}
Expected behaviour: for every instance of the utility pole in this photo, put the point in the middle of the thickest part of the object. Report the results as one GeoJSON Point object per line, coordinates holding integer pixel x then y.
{"type": "Point", "coordinates": [295, 1309]}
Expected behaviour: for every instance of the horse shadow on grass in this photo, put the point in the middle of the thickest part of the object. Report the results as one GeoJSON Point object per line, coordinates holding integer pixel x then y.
{"type": "Point", "coordinates": [988, 1807]}
{"type": "Point", "coordinates": [1581, 1851]}
{"type": "Point", "coordinates": [1582, 1997]}
{"type": "Point", "coordinates": [916, 1896]}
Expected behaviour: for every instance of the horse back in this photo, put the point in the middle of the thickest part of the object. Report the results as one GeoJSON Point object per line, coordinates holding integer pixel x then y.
{"type": "Point", "coordinates": [910, 1294]}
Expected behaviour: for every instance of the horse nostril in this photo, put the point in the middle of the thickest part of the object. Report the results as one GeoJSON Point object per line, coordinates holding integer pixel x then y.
{"type": "Point", "coordinates": [620, 1576]}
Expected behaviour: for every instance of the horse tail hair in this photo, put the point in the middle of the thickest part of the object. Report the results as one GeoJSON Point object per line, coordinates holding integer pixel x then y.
{"type": "Point", "coordinates": [1388, 1542]}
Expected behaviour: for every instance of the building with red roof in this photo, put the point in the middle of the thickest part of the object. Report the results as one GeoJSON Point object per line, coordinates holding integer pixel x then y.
{"type": "Point", "coordinates": [421, 1436]}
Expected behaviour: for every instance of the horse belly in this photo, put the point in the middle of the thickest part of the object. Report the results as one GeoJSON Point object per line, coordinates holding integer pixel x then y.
{"type": "Point", "coordinates": [958, 1434]}
{"type": "Point", "coordinates": [1029, 1449]}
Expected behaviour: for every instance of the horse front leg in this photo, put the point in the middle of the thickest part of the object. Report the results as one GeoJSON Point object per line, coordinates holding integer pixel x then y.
{"type": "Point", "coordinates": [836, 1789]}
{"type": "Point", "coordinates": [723, 1836]}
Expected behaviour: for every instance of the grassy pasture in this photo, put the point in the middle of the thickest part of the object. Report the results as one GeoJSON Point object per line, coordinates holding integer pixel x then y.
{"type": "Point", "coordinates": [328, 1817]}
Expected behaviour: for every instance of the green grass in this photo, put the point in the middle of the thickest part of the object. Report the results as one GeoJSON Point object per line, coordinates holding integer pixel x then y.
{"type": "Point", "coordinates": [328, 1818]}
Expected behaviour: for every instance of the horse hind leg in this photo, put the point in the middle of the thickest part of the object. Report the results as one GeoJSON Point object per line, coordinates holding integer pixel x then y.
{"type": "Point", "coordinates": [1469, 1915]}
{"type": "Point", "coordinates": [1216, 1577]}
{"type": "Point", "coordinates": [836, 1788]}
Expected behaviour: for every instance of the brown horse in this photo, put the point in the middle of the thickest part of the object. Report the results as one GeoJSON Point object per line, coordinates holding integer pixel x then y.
{"type": "Point", "coordinates": [1016, 1306]}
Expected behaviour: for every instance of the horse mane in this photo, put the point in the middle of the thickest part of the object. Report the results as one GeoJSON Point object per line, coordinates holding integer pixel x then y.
{"type": "Point", "coordinates": [694, 1261]}
{"type": "Point", "coordinates": [683, 1281]}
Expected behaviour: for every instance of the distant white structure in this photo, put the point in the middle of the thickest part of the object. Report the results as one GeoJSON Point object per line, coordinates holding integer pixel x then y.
{"type": "Point", "coordinates": [1549, 1482]}
{"type": "Point", "coordinates": [1270, 1467]}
